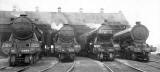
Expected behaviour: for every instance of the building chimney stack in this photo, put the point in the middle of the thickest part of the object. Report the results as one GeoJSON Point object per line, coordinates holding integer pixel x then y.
{"type": "Point", "coordinates": [101, 10]}
{"type": "Point", "coordinates": [37, 9]}
{"type": "Point", "coordinates": [120, 12]}
{"type": "Point", "coordinates": [81, 10]}
{"type": "Point", "coordinates": [59, 9]}
{"type": "Point", "coordinates": [14, 8]}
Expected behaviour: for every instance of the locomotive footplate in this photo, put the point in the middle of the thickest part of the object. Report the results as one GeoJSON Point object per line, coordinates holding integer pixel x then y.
{"type": "Point", "coordinates": [143, 56]}
{"type": "Point", "coordinates": [106, 55]}
{"type": "Point", "coordinates": [66, 55]}
{"type": "Point", "coordinates": [19, 57]}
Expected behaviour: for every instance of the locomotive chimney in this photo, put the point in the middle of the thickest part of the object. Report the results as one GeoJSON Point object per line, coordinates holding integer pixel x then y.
{"type": "Point", "coordinates": [66, 24]}
{"type": "Point", "coordinates": [81, 10]}
{"type": "Point", "coordinates": [23, 15]}
{"type": "Point", "coordinates": [101, 10]}
{"type": "Point", "coordinates": [120, 12]}
{"type": "Point", "coordinates": [12, 19]}
{"type": "Point", "coordinates": [105, 22]}
{"type": "Point", "coordinates": [14, 8]}
{"type": "Point", "coordinates": [59, 9]}
{"type": "Point", "coordinates": [36, 19]}
{"type": "Point", "coordinates": [138, 23]}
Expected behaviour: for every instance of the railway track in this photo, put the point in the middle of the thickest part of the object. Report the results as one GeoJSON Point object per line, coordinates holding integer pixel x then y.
{"type": "Point", "coordinates": [38, 67]}
{"type": "Point", "coordinates": [13, 69]}
{"type": "Point", "coordinates": [155, 59]}
{"type": "Point", "coordinates": [118, 66]}
{"type": "Point", "coordinates": [134, 68]}
{"type": "Point", "coordinates": [3, 67]}
{"type": "Point", "coordinates": [51, 66]}
{"type": "Point", "coordinates": [71, 68]}
{"type": "Point", "coordinates": [154, 64]}
{"type": "Point", "coordinates": [60, 67]}
{"type": "Point", "coordinates": [108, 68]}
{"type": "Point", "coordinates": [146, 66]}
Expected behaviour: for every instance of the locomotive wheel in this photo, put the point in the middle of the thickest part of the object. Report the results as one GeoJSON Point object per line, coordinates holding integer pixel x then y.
{"type": "Point", "coordinates": [122, 54]}
{"type": "Point", "coordinates": [147, 58]}
{"type": "Point", "coordinates": [37, 57]}
{"type": "Point", "coordinates": [60, 57]}
{"type": "Point", "coordinates": [133, 56]}
{"type": "Point", "coordinates": [12, 60]}
{"type": "Point", "coordinates": [111, 56]}
{"type": "Point", "coordinates": [72, 56]}
{"type": "Point", "coordinates": [34, 59]}
{"type": "Point", "coordinates": [11, 63]}
{"type": "Point", "coordinates": [27, 59]}
{"type": "Point", "coordinates": [31, 58]}
{"type": "Point", "coordinates": [100, 56]}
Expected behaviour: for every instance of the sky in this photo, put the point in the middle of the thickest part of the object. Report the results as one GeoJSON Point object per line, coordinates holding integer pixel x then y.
{"type": "Point", "coordinates": [146, 11]}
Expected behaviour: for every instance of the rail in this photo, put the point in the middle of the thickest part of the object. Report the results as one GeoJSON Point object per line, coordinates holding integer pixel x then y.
{"type": "Point", "coordinates": [108, 68]}
{"type": "Point", "coordinates": [137, 69]}
{"type": "Point", "coordinates": [72, 67]}
{"type": "Point", "coordinates": [51, 66]}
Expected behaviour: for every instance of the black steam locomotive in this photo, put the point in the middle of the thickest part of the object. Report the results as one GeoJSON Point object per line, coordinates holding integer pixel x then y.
{"type": "Point", "coordinates": [26, 41]}
{"type": "Point", "coordinates": [98, 43]}
{"type": "Point", "coordinates": [132, 42]}
{"type": "Point", "coordinates": [65, 42]}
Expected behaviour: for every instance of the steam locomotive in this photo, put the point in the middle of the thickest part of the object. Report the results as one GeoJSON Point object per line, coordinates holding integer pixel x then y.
{"type": "Point", "coordinates": [5, 33]}
{"type": "Point", "coordinates": [25, 43]}
{"type": "Point", "coordinates": [99, 43]}
{"type": "Point", "coordinates": [132, 42]}
{"type": "Point", "coordinates": [66, 45]}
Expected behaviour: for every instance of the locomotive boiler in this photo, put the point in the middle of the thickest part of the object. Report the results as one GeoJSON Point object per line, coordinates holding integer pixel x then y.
{"type": "Point", "coordinates": [132, 42]}
{"type": "Point", "coordinates": [98, 43]}
{"type": "Point", "coordinates": [25, 42]}
{"type": "Point", "coordinates": [66, 45]}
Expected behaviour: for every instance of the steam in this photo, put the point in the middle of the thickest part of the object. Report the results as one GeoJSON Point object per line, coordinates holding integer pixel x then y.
{"type": "Point", "coordinates": [17, 13]}
{"type": "Point", "coordinates": [56, 26]}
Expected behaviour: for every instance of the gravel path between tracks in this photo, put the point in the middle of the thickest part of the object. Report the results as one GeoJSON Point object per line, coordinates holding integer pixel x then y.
{"type": "Point", "coordinates": [42, 64]}
{"type": "Point", "coordinates": [88, 65]}
{"type": "Point", "coordinates": [154, 58]}
{"type": "Point", "coordinates": [61, 67]}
